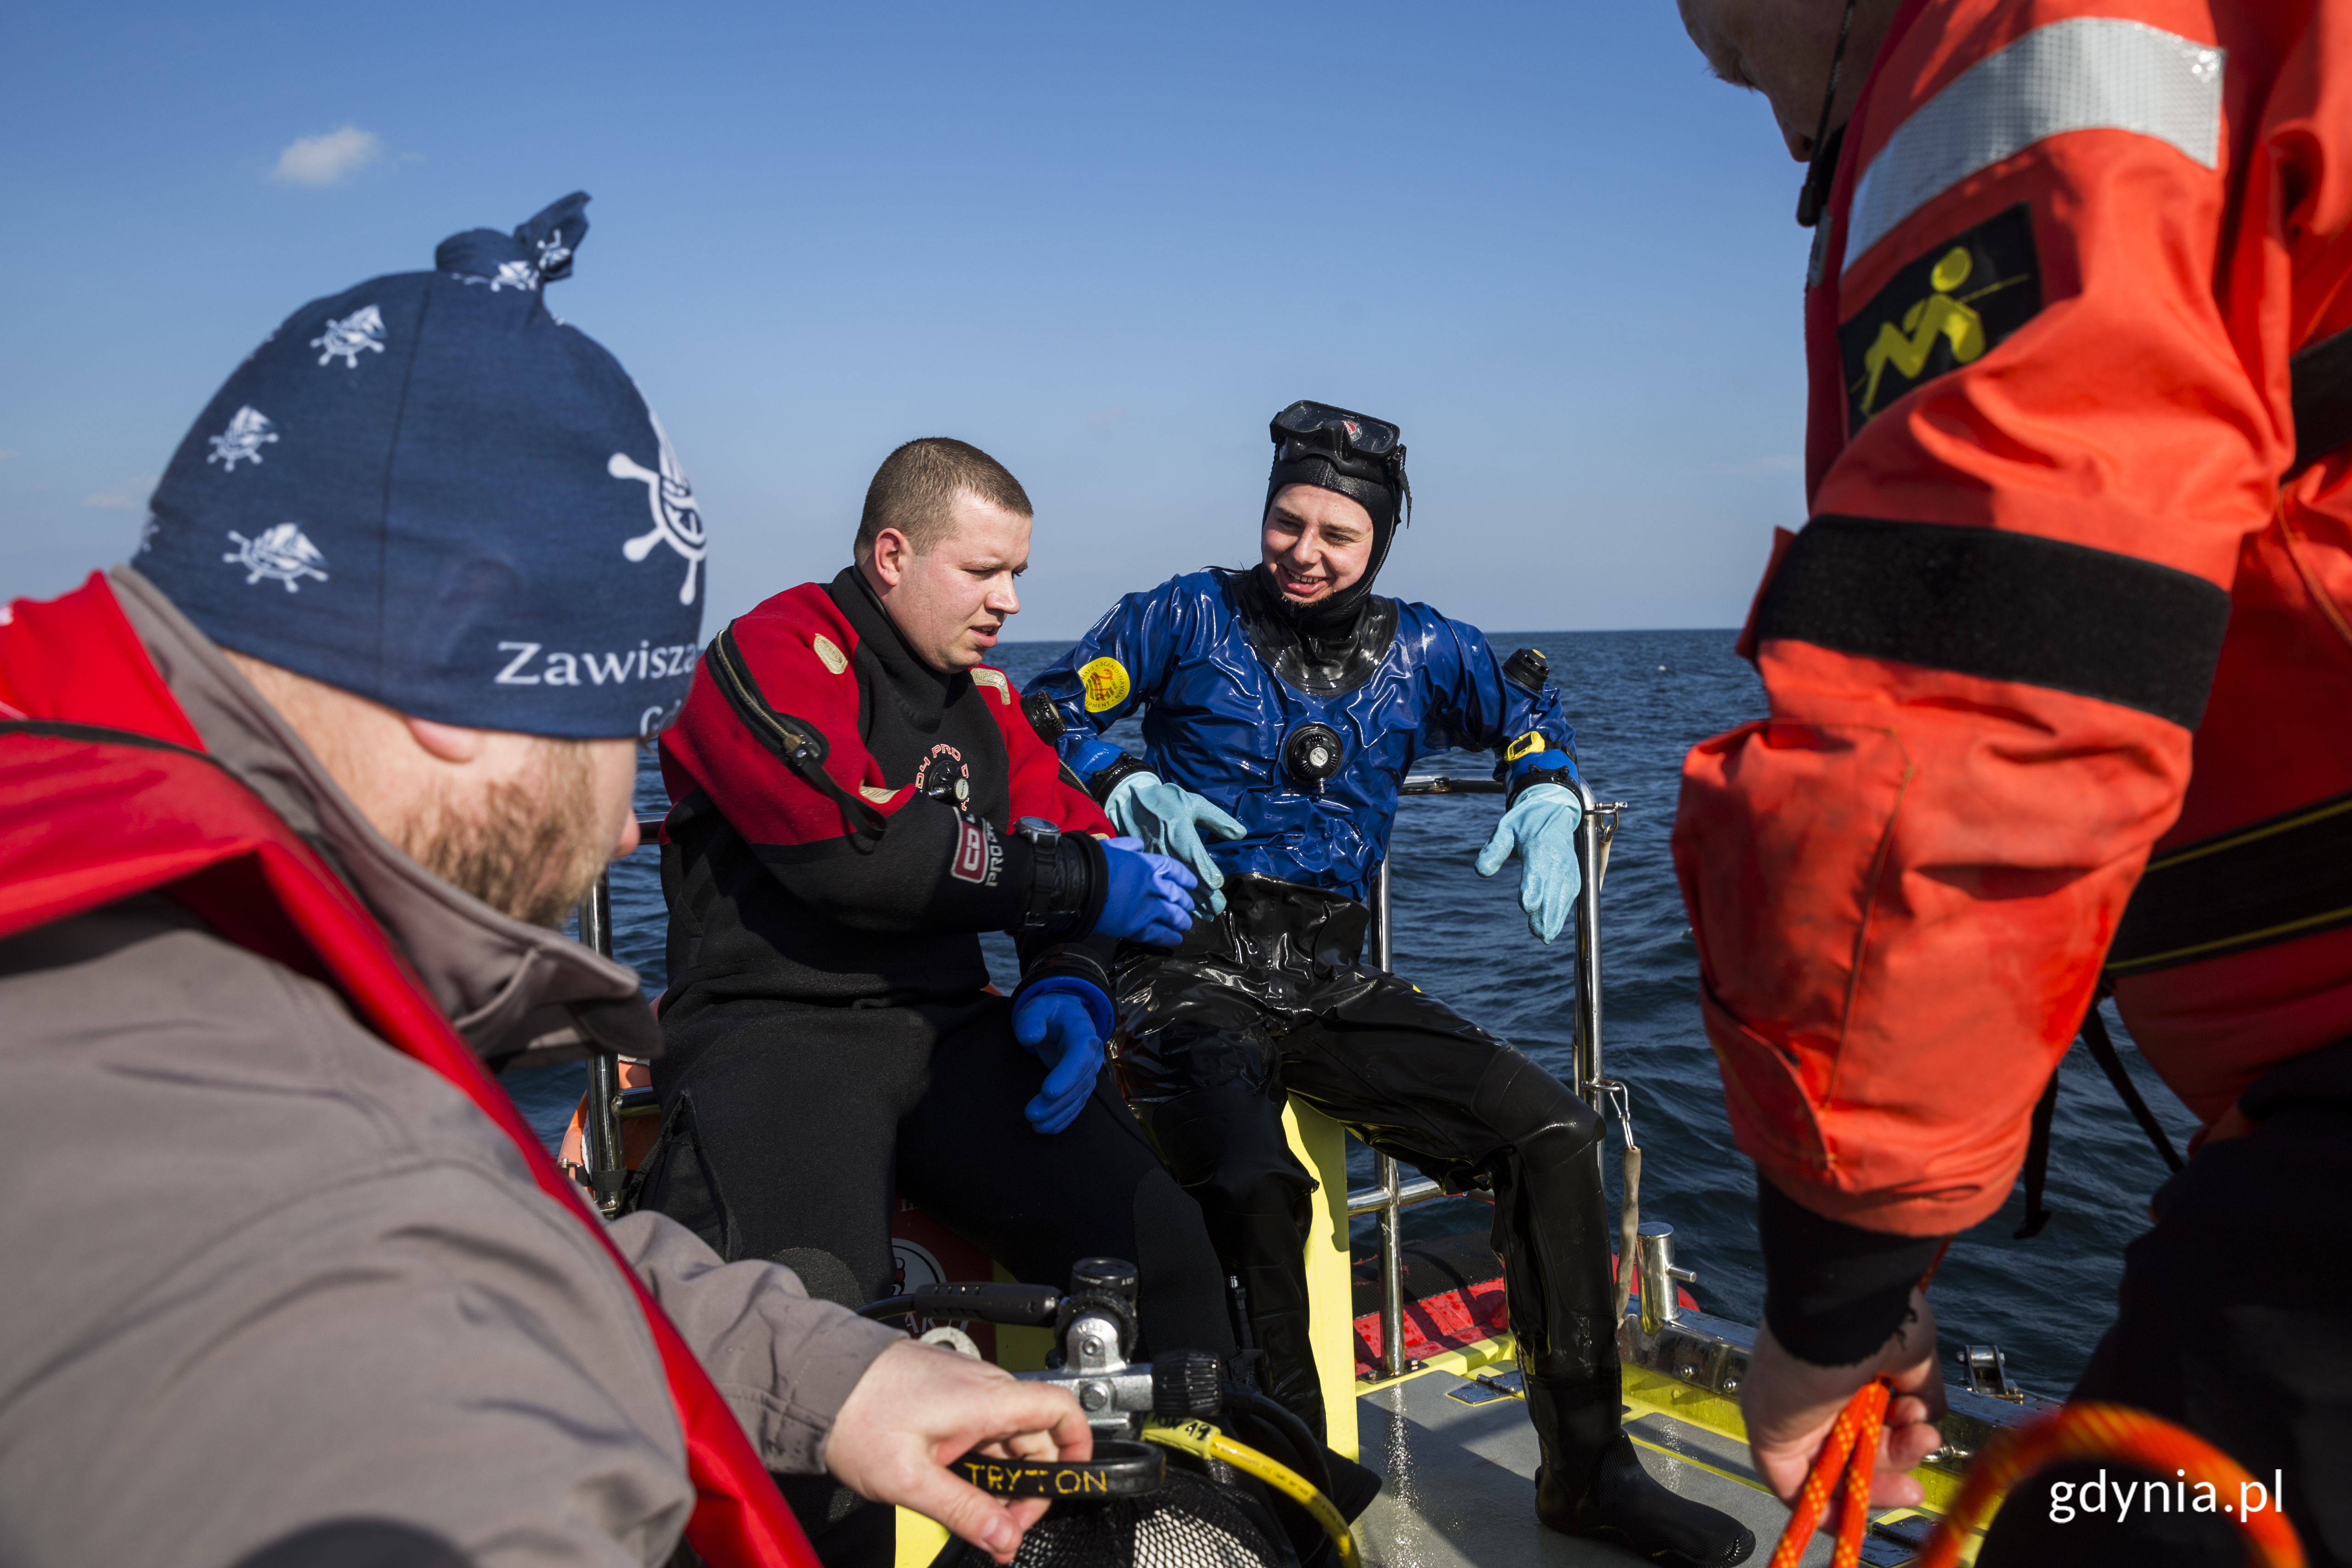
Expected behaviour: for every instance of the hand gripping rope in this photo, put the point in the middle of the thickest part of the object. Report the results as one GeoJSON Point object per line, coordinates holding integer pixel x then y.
{"type": "Point", "coordinates": [1850, 1453]}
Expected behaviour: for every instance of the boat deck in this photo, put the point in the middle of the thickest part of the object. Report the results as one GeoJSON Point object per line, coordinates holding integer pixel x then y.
{"type": "Point", "coordinates": [1458, 1458]}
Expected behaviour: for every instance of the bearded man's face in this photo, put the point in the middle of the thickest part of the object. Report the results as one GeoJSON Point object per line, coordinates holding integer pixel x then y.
{"type": "Point", "coordinates": [532, 845]}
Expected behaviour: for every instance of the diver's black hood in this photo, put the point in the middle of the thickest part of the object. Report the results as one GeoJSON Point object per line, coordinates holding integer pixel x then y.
{"type": "Point", "coordinates": [1355, 456]}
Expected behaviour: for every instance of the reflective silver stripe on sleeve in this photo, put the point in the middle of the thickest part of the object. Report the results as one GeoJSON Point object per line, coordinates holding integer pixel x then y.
{"type": "Point", "coordinates": [2089, 73]}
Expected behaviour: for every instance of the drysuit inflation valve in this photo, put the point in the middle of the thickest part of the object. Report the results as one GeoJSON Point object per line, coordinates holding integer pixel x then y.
{"type": "Point", "coordinates": [1528, 667]}
{"type": "Point", "coordinates": [1311, 755]}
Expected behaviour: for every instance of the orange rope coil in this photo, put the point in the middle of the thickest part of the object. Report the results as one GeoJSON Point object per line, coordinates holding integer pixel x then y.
{"type": "Point", "coordinates": [2115, 1431]}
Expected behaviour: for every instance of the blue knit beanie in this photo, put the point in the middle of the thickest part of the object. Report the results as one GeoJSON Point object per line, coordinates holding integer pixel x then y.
{"type": "Point", "coordinates": [430, 492]}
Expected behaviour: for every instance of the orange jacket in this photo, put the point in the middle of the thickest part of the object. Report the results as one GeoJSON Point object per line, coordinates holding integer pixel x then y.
{"type": "Point", "coordinates": [2055, 607]}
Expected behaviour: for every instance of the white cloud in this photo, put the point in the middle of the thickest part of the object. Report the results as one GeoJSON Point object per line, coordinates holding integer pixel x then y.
{"type": "Point", "coordinates": [131, 495]}
{"type": "Point", "coordinates": [323, 160]}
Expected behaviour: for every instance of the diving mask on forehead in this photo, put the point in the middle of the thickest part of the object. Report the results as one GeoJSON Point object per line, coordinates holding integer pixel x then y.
{"type": "Point", "coordinates": [1319, 427]}
{"type": "Point", "coordinates": [1355, 454]}
{"type": "Point", "coordinates": [1358, 456]}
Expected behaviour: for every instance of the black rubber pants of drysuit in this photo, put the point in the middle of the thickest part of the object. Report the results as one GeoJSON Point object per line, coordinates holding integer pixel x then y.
{"type": "Point", "coordinates": [790, 1132]}
{"type": "Point", "coordinates": [2233, 1324]}
{"type": "Point", "coordinates": [1270, 999]}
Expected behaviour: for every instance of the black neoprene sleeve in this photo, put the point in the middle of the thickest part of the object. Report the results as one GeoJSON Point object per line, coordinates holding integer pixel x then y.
{"type": "Point", "coordinates": [1833, 1291]}
{"type": "Point", "coordinates": [907, 877]}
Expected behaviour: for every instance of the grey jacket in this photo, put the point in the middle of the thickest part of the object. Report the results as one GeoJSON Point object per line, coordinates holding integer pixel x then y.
{"type": "Point", "coordinates": [265, 1279]}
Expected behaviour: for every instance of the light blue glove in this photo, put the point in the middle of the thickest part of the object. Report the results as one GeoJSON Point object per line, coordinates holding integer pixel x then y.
{"type": "Point", "coordinates": [1149, 900]}
{"type": "Point", "coordinates": [1169, 819]}
{"type": "Point", "coordinates": [1061, 1021]}
{"type": "Point", "coordinates": [1541, 826]}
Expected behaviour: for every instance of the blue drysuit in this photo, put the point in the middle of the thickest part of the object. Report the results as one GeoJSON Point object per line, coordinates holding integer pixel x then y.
{"type": "Point", "coordinates": [1216, 718]}
{"type": "Point", "coordinates": [1270, 999]}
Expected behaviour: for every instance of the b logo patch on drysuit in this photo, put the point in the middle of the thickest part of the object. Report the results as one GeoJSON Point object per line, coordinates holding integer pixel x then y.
{"type": "Point", "coordinates": [1106, 683]}
{"type": "Point", "coordinates": [1948, 309]}
{"type": "Point", "coordinates": [828, 653]}
{"type": "Point", "coordinates": [978, 855]}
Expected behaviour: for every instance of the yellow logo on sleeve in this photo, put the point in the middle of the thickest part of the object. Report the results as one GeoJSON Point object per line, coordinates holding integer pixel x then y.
{"type": "Point", "coordinates": [1945, 310]}
{"type": "Point", "coordinates": [1532, 740]}
{"type": "Point", "coordinates": [1106, 683]}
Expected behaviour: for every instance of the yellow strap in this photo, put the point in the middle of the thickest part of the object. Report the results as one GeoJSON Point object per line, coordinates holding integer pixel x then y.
{"type": "Point", "coordinates": [1204, 1441]}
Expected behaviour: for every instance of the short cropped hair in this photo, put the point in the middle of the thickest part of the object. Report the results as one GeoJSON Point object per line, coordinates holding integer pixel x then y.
{"type": "Point", "coordinates": [915, 490]}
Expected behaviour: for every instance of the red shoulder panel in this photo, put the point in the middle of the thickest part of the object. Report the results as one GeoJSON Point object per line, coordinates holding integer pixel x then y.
{"type": "Point", "coordinates": [798, 646]}
{"type": "Point", "coordinates": [76, 658]}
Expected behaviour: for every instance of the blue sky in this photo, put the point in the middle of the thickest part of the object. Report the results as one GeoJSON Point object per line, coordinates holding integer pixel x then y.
{"type": "Point", "coordinates": [1105, 243]}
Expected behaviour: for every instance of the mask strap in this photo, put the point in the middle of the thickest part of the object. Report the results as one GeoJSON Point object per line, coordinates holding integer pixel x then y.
{"type": "Point", "coordinates": [1816, 193]}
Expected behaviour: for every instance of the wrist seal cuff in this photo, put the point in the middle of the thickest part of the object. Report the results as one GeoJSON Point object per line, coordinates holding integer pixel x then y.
{"type": "Point", "coordinates": [1528, 781]}
{"type": "Point", "coordinates": [1101, 783]}
{"type": "Point", "coordinates": [1833, 1291]}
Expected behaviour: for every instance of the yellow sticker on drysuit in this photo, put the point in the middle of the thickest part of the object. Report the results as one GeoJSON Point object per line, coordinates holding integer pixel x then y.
{"type": "Point", "coordinates": [1106, 683]}
{"type": "Point", "coordinates": [1532, 740]}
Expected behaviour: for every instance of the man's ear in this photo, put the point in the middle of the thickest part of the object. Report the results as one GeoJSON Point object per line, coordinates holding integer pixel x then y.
{"type": "Point", "coordinates": [448, 743]}
{"type": "Point", "coordinates": [892, 552]}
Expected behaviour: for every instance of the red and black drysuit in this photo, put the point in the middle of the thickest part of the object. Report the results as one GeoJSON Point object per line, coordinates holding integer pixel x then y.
{"type": "Point", "coordinates": [2058, 673]}
{"type": "Point", "coordinates": [842, 830]}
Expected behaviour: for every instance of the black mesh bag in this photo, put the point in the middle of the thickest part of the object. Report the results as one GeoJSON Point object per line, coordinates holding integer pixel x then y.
{"type": "Point", "coordinates": [1192, 1522]}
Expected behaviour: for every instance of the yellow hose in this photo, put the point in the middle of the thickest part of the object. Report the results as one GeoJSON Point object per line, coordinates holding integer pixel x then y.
{"type": "Point", "coordinates": [1204, 1441]}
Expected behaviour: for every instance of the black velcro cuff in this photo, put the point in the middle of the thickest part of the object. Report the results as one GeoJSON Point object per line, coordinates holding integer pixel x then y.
{"type": "Point", "coordinates": [1100, 783]}
{"type": "Point", "coordinates": [1065, 960]}
{"type": "Point", "coordinates": [2004, 606]}
{"type": "Point", "coordinates": [1833, 1291]}
{"type": "Point", "coordinates": [1526, 782]}
{"type": "Point", "coordinates": [1086, 883]}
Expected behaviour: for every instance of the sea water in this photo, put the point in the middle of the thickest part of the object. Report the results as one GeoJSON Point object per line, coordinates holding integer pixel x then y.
{"type": "Point", "coordinates": [1639, 700]}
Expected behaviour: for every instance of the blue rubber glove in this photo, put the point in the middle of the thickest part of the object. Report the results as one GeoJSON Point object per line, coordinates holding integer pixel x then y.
{"type": "Point", "coordinates": [1169, 819]}
{"type": "Point", "coordinates": [1061, 1021]}
{"type": "Point", "coordinates": [1541, 826]}
{"type": "Point", "coordinates": [1151, 897]}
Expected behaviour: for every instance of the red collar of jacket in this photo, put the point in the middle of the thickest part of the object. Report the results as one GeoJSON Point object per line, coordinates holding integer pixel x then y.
{"type": "Point", "coordinates": [106, 792]}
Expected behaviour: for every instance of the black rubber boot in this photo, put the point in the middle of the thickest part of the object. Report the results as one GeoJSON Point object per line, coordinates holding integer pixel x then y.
{"type": "Point", "coordinates": [1592, 1483]}
{"type": "Point", "coordinates": [1282, 1328]}
{"type": "Point", "coordinates": [1225, 1145]}
{"type": "Point", "coordinates": [1549, 1223]}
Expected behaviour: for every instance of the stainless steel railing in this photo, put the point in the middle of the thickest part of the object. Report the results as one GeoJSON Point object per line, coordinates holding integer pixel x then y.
{"type": "Point", "coordinates": [601, 1130]}
{"type": "Point", "coordinates": [1389, 1194]}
